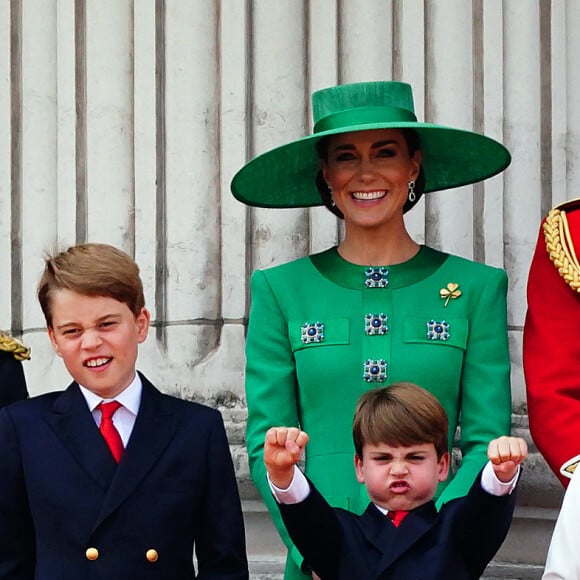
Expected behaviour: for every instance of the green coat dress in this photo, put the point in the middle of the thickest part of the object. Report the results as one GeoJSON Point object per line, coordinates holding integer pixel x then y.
{"type": "Point", "coordinates": [322, 331]}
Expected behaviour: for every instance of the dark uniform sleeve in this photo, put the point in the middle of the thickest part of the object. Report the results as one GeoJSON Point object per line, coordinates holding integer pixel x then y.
{"type": "Point", "coordinates": [17, 544]}
{"type": "Point", "coordinates": [12, 381]}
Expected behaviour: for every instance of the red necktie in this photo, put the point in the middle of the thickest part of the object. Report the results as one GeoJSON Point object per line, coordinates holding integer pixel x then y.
{"type": "Point", "coordinates": [397, 516]}
{"type": "Point", "coordinates": [108, 429]}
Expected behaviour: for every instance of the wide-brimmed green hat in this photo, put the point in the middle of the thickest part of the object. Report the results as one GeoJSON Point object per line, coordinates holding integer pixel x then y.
{"type": "Point", "coordinates": [285, 176]}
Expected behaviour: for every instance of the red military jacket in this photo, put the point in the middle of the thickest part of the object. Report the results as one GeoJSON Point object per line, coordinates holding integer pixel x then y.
{"type": "Point", "coordinates": [551, 348]}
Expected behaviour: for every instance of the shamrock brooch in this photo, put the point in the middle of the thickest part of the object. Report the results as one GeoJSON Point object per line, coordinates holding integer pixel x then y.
{"type": "Point", "coordinates": [451, 292]}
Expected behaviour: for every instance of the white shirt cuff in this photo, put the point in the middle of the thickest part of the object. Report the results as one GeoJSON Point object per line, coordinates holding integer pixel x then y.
{"type": "Point", "coordinates": [297, 491]}
{"type": "Point", "coordinates": [492, 485]}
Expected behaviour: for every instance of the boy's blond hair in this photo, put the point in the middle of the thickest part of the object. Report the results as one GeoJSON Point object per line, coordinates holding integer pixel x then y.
{"type": "Point", "coordinates": [92, 270]}
{"type": "Point", "coordinates": [402, 414]}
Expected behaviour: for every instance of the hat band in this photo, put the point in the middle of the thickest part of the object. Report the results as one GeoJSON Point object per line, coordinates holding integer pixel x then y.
{"type": "Point", "coordinates": [364, 116]}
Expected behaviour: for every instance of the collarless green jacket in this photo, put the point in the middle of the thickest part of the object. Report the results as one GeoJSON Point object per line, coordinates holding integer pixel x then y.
{"type": "Point", "coordinates": [310, 336]}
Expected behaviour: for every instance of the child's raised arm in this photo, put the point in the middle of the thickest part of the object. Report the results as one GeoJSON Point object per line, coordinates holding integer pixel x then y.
{"type": "Point", "coordinates": [505, 454]}
{"type": "Point", "coordinates": [283, 448]}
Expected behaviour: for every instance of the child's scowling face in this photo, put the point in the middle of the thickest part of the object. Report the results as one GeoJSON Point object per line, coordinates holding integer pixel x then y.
{"type": "Point", "coordinates": [401, 478]}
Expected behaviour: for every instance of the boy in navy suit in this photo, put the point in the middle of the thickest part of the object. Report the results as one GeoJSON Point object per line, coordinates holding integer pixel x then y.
{"type": "Point", "coordinates": [400, 439]}
{"type": "Point", "coordinates": [111, 479]}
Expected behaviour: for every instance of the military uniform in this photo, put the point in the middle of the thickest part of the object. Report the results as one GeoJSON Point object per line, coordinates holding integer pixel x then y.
{"type": "Point", "coordinates": [322, 331]}
{"type": "Point", "coordinates": [12, 381]}
{"type": "Point", "coordinates": [551, 349]}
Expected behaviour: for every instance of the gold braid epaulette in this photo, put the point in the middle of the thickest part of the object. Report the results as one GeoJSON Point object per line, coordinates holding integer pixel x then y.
{"type": "Point", "coordinates": [560, 247]}
{"type": "Point", "coordinates": [11, 344]}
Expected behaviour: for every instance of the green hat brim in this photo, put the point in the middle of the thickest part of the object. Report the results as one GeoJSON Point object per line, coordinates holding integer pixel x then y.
{"type": "Point", "coordinates": [285, 177]}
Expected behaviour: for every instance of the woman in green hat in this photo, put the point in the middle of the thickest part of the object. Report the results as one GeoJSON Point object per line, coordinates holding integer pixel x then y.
{"type": "Point", "coordinates": [379, 308]}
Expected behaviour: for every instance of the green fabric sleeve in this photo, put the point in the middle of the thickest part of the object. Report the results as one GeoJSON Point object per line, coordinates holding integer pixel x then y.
{"type": "Point", "coordinates": [270, 388]}
{"type": "Point", "coordinates": [485, 405]}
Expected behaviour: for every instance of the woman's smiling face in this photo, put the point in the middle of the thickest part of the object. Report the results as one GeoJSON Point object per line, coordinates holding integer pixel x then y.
{"type": "Point", "coordinates": [369, 174]}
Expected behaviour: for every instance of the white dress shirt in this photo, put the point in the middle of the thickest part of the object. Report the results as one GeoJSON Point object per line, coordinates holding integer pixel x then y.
{"type": "Point", "coordinates": [124, 418]}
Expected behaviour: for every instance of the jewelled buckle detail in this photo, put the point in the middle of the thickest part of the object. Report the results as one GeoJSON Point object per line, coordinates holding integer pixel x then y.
{"type": "Point", "coordinates": [312, 332]}
{"type": "Point", "coordinates": [376, 277]}
{"type": "Point", "coordinates": [437, 330]}
{"type": "Point", "coordinates": [375, 371]}
{"type": "Point", "coordinates": [376, 324]}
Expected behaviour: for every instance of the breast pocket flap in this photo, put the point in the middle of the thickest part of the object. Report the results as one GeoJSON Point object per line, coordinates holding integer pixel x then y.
{"type": "Point", "coordinates": [316, 333]}
{"type": "Point", "coordinates": [444, 332]}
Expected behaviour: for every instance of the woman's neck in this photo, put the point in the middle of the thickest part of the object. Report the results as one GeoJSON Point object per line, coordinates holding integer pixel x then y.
{"type": "Point", "coordinates": [378, 247]}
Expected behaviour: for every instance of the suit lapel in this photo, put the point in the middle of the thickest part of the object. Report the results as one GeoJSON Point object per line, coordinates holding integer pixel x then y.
{"type": "Point", "coordinates": [152, 433]}
{"type": "Point", "coordinates": [394, 542]}
{"type": "Point", "coordinates": [74, 425]}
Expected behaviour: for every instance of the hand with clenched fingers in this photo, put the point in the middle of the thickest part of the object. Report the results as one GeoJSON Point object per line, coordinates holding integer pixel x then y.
{"type": "Point", "coordinates": [283, 449]}
{"type": "Point", "coordinates": [505, 454]}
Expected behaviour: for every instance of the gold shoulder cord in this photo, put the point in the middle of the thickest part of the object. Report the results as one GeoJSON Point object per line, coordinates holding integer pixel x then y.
{"type": "Point", "coordinates": [10, 344]}
{"type": "Point", "coordinates": [560, 247]}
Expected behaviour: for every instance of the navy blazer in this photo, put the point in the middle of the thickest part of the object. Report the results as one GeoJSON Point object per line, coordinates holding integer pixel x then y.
{"type": "Point", "coordinates": [12, 381]}
{"type": "Point", "coordinates": [61, 493]}
{"type": "Point", "coordinates": [456, 543]}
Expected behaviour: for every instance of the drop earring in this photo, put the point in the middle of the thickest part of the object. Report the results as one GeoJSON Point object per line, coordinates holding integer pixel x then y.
{"type": "Point", "coordinates": [412, 195]}
{"type": "Point", "coordinates": [331, 199]}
